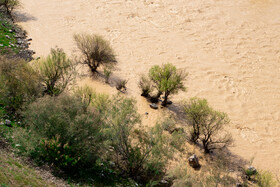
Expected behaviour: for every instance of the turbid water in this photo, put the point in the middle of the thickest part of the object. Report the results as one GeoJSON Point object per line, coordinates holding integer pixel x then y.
{"type": "Point", "coordinates": [231, 50]}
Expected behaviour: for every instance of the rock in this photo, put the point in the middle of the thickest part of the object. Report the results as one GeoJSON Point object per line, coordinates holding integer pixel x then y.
{"type": "Point", "coordinates": [1, 45]}
{"type": "Point", "coordinates": [238, 184]}
{"type": "Point", "coordinates": [8, 123]}
{"type": "Point", "coordinates": [154, 106]}
{"type": "Point", "coordinates": [252, 170]}
{"type": "Point", "coordinates": [193, 161]}
{"type": "Point", "coordinates": [30, 39]}
{"type": "Point", "coordinates": [146, 113]}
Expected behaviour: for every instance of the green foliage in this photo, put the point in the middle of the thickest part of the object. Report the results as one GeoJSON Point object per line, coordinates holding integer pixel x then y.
{"type": "Point", "coordinates": [20, 84]}
{"type": "Point", "coordinates": [196, 111]}
{"type": "Point", "coordinates": [9, 5]}
{"type": "Point", "coordinates": [207, 124]}
{"type": "Point", "coordinates": [56, 71]}
{"type": "Point", "coordinates": [52, 151]}
{"type": "Point", "coordinates": [145, 85]}
{"type": "Point", "coordinates": [89, 97]}
{"type": "Point", "coordinates": [265, 179]}
{"type": "Point", "coordinates": [95, 50]}
{"type": "Point", "coordinates": [77, 127]}
{"type": "Point", "coordinates": [167, 80]}
{"type": "Point", "coordinates": [107, 73]}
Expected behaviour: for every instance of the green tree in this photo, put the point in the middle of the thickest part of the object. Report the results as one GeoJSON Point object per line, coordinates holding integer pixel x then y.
{"type": "Point", "coordinates": [167, 79]}
{"type": "Point", "coordinates": [57, 71]}
{"type": "Point", "coordinates": [95, 50]}
{"type": "Point", "coordinates": [207, 125]}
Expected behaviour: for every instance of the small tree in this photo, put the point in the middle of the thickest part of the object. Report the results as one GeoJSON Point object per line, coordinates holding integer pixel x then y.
{"type": "Point", "coordinates": [57, 71]}
{"type": "Point", "coordinates": [95, 50]}
{"type": "Point", "coordinates": [196, 113]}
{"type": "Point", "coordinates": [207, 125]}
{"type": "Point", "coordinates": [9, 5]}
{"type": "Point", "coordinates": [167, 79]}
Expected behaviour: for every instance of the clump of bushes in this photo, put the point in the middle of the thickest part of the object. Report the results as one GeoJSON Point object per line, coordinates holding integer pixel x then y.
{"type": "Point", "coordinates": [56, 71]}
{"type": "Point", "coordinates": [166, 79]}
{"type": "Point", "coordinates": [90, 132]}
{"type": "Point", "coordinates": [207, 125]}
{"type": "Point", "coordinates": [95, 51]}
{"type": "Point", "coordinates": [20, 84]}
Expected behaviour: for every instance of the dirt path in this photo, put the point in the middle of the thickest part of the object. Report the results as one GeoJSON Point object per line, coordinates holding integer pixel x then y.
{"type": "Point", "coordinates": [230, 49]}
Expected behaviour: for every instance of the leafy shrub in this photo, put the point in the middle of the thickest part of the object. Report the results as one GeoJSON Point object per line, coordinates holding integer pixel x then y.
{"type": "Point", "coordinates": [167, 80]}
{"type": "Point", "coordinates": [52, 151]}
{"type": "Point", "coordinates": [64, 117]}
{"type": "Point", "coordinates": [207, 125]}
{"type": "Point", "coordinates": [19, 84]}
{"type": "Point", "coordinates": [121, 85]}
{"type": "Point", "coordinates": [145, 85]}
{"type": "Point", "coordinates": [95, 50]}
{"type": "Point", "coordinates": [10, 5]}
{"type": "Point", "coordinates": [56, 71]}
{"type": "Point", "coordinates": [136, 152]}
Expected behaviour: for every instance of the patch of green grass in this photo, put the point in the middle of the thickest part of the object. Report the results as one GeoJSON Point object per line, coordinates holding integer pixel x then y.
{"type": "Point", "coordinates": [15, 173]}
{"type": "Point", "coordinates": [7, 37]}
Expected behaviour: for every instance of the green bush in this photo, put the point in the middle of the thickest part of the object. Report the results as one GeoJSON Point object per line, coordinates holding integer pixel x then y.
{"type": "Point", "coordinates": [167, 80]}
{"type": "Point", "coordinates": [95, 51]}
{"type": "Point", "coordinates": [64, 117]}
{"type": "Point", "coordinates": [265, 179]}
{"type": "Point", "coordinates": [60, 155]}
{"type": "Point", "coordinates": [207, 125]}
{"type": "Point", "coordinates": [19, 84]}
{"type": "Point", "coordinates": [56, 71]}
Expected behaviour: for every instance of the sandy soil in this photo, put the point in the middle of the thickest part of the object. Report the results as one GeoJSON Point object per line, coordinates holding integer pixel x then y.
{"type": "Point", "coordinates": [230, 49]}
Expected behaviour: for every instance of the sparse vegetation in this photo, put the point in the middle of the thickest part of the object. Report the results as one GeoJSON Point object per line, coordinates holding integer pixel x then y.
{"type": "Point", "coordinates": [121, 85]}
{"type": "Point", "coordinates": [207, 125]}
{"type": "Point", "coordinates": [95, 50]}
{"type": "Point", "coordinates": [16, 173]}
